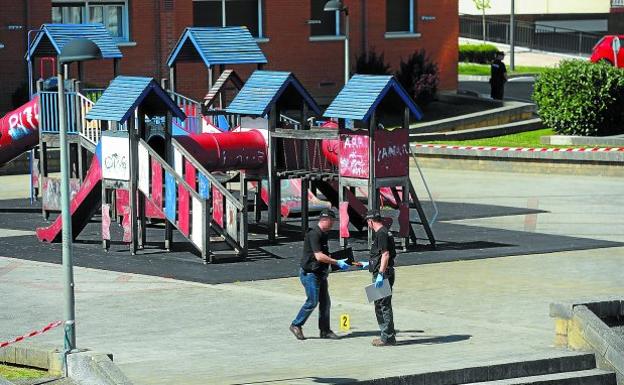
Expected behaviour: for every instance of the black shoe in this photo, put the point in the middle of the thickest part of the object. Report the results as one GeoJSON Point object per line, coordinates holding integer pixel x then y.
{"type": "Point", "coordinates": [329, 335]}
{"type": "Point", "coordinates": [379, 342]}
{"type": "Point", "coordinates": [296, 330]}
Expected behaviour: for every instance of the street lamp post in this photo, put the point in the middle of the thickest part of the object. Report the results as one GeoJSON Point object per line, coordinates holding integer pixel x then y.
{"type": "Point", "coordinates": [74, 51]}
{"type": "Point", "coordinates": [512, 38]}
{"type": "Point", "coordinates": [337, 5]}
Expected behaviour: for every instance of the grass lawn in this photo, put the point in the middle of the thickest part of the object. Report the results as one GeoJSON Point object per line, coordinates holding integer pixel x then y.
{"type": "Point", "coordinates": [484, 69]}
{"type": "Point", "coordinates": [19, 373]}
{"type": "Point", "coordinates": [530, 139]}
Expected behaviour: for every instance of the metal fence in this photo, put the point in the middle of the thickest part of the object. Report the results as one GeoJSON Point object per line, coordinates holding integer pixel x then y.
{"type": "Point", "coordinates": [529, 35]}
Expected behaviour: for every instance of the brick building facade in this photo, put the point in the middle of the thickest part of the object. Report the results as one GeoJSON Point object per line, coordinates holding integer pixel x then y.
{"type": "Point", "coordinates": [297, 36]}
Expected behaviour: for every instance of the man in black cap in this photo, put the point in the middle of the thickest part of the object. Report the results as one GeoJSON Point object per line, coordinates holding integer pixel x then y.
{"type": "Point", "coordinates": [381, 265]}
{"type": "Point", "coordinates": [315, 264]}
{"type": "Point", "coordinates": [498, 77]}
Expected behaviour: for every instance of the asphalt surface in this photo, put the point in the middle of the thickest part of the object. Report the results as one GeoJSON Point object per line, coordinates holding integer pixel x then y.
{"type": "Point", "coordinates": [519, 89]}
{"type": "Point", "coordinates": [268, 261]}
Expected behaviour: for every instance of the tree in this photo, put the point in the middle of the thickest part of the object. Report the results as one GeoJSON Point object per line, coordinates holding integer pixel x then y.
{"type": "Point", "coordinates": [482, 5]}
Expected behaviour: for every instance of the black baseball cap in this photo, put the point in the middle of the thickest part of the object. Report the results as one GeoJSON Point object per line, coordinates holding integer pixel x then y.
{"type": "Point", "coordinates": [327, 213]}
{"type": "Point", "coordinates": [373, 214]}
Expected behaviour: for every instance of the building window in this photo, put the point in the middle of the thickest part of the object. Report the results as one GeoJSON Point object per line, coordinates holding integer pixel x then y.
{"type": "Point", "coordinates": [323, 23]}
{"type": "Point", "coordinates": [113, 14]}
{"type": "Point", "coordinates": [223, 13]}
{"type": "Point", "coordinates": [400, 16]}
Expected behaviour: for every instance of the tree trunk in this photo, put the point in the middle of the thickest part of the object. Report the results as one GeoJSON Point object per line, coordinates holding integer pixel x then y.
{"type": "Point", "coordinates": [483, 25]}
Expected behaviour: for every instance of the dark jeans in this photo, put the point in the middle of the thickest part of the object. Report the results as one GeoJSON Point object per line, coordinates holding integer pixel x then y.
{"type": "Point", "coordinates": [317, 292]}
{"type": "Point", "coordinates": [383, 311]}
{"type": "Point", "coordinates": [497, 90]}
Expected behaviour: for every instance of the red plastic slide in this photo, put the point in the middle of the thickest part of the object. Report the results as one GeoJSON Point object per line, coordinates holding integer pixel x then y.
{"type": "Point", "coordinates": [83, 206]}
{"type": "Point", "coordinates": [19, 131]}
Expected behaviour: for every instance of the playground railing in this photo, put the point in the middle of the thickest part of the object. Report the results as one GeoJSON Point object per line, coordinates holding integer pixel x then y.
{"type": "Point", "coordinates": [192, 109]}
{"type": "Point", "coordinates": [49, 112]}
{"type": "Point", "coordinates": [229, 214]}
{"type": "Point", "coordinates": [182, 205]}
{"type": "Point", "coordinates": [89, 130]}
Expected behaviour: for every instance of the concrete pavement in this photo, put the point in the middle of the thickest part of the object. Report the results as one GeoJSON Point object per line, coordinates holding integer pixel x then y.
{"type": "Point", "coordinates": [450, 315]}
{"type": "Point", "coordinates": [527, 57]}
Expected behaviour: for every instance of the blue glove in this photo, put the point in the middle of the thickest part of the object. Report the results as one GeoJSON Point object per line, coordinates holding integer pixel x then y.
{"type": "Point", "coordinates": [379, 280]}
{"type": "Point", "coordinates": [364, 264]}
{"type": "Point", "coordinates": [342, 264]}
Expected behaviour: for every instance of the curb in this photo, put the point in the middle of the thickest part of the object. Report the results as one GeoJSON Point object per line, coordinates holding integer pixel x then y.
{"type": "Point", "coordinates": [547, 161]}
{"type": "Point", "coordinates": [84, 367]}
{"type": "Point", "coordinates": [582, 326]}
{"type": "Point", "coordinates": [482, 132]}
{"type": "Point", "coordinates": [509, 112]}
{"type": "Point", "coordinates": [598, 154]}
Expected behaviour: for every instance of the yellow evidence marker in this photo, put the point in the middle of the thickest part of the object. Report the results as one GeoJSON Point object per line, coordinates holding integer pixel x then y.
{"type": "Point", "coordinates": [345, 322]}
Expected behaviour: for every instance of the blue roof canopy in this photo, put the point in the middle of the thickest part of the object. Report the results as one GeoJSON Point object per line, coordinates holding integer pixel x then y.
{"type": "Point", "coordinates": [53, 37]}
{"type": "Point", "coordinates": [264, 88]}
{"type": "Point", "coordinates": [363, 94]}
{"type": "Point", "coordinates": [126, 93]}
{"type": "Point", "coordinates": [217, 45]}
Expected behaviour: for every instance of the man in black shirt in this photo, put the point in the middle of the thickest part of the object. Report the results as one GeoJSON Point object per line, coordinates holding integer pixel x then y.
{"type": "Point", "coordinates": [381, 265]}
{"type": "Point", "coordinates": [315, 263]}
{"type": "Point", "coordinates": [498, 77]}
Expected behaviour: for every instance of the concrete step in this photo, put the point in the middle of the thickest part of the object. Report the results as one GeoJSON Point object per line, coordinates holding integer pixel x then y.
{"type": "Point", "coordinates": [584, 377]}
{"type": "Point", "coordinates": [558, 363]}
{"type": "Point", "coordinates": [482, 132]}
{"type": "Point", "coordinates": [510, 112]}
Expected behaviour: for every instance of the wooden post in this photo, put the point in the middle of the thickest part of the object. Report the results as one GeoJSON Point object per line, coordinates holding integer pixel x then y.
{"type": "Point", "coordinates": [258, 201]}
{"type": "Point", "coordinates": [210, 77]}
{"type": "Point", "coordinates": [244, 215]}
{"type": "Point", "coordinates": [132, 186]}
{"type": "Point", "coordinates": [172, 80]}
{"type": "Point", "coordinates": [305, 182]}
{"type": "Point", "coordinates": [372, 188]}
{"type": "Point", "coordinates": [274, 184]}
{"type": "Point", "coordinates": [105, 242]}
{"type": "Point", "coordinates": [169, 160]}
{"type": "Point", "coordinates": [341, 126]}
{"type": "Point", "coordinates": [206, 215]}
{"type": "Point", "coordinates": [43, 173]}
{"type": "Point", "coordinates": [141, 208]}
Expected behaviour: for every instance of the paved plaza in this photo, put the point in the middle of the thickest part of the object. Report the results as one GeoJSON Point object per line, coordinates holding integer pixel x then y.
{"type": "Point", "coordinates": [449, 315]}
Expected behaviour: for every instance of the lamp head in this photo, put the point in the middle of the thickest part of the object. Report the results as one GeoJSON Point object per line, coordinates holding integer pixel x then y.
{"type": "Point", "coordinates": [79, 50]}
{"type": "Point", "coordinates": [334, 5]}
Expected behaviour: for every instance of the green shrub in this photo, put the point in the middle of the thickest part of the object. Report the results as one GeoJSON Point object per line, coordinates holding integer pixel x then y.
{"type": "Point", "coordinates": [581, 98]}
{"type": "Point", "coordinates": [419, 76]}
{"type": "Point", "coordinates": [371, 64]}
{"type": "Point", "coordinates": [477, 53]}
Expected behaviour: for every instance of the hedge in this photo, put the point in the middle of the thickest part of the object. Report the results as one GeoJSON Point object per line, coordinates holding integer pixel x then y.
{"type": "Point", "coordinates": [581, 98]}
{"type": "Point", "coordinates": [477, 53]}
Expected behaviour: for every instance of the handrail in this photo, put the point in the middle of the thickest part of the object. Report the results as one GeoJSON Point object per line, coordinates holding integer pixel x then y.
{"type": "Point", "coordinates": [91, 131]}
{"type": "Point", "coordinates": [213, 181]}
{"type": "Point", "coordinates": [286, 119]}
{"type": "Point", "coordinates": [170, 170]}
{"type": "Point", "coordinates": [422, 176]}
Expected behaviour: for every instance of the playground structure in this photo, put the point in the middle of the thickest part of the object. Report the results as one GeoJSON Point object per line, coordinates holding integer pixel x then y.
{"type": "Point", "coordinates": [157, 155]}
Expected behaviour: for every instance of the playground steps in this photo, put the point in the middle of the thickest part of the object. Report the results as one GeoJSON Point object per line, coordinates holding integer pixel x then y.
{"type": "Point", "coordinates": [558, 369]}
{"type": "Point", "coordinates": [216, 87]}
{"type": "Point", "coordinates": [510, 112]}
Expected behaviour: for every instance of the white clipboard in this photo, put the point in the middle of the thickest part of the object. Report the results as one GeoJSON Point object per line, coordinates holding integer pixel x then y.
{"type": "Point", "coordinates": [374, 293]}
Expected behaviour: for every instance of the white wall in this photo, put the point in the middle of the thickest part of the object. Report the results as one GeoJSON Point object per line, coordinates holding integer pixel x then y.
{"type": "Point", "coordinates": [532, 7]}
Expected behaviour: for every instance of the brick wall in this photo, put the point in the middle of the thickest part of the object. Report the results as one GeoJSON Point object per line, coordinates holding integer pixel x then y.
{"type": "Point", "coordinates": [154, 30]}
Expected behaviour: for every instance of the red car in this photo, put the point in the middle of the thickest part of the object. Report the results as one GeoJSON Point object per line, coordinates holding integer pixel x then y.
{"type": "Point", "coordinates": [603, 51]}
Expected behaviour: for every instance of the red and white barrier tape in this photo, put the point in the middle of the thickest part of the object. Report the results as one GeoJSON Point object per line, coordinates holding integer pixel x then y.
{"type": "Point", "coordinates": [522, 149]}
{"type": "Point", "coordinates": [48, 327]}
